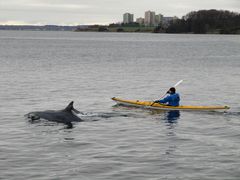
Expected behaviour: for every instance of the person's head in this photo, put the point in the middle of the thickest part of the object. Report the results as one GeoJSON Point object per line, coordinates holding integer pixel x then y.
{"type": "Point", "coordinates": [172, 90]}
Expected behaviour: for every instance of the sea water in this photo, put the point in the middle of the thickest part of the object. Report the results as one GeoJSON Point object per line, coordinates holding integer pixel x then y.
{"type": "Point", "coordinates": [46, 70]}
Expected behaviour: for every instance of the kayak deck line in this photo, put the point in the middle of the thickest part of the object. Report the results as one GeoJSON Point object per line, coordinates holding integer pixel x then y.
{"type": "Point", "coordinates": [152, 105]}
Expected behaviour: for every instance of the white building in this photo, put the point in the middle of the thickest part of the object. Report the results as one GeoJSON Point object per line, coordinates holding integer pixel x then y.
{"type": "Point", "coordinates": [140, 21]}
{"type": "Point", "coordinates": [159, 19]}
{"type": "Point", "coordinates": [149, 18]}
{"type": "Point", "coordinates": [127, 18]}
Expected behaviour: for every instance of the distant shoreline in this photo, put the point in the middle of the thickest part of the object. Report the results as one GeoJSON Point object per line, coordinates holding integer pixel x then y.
{"type": "Point", "coordinates": [38, 28]}
{"type": "Point", "coordinates": [98, 28]}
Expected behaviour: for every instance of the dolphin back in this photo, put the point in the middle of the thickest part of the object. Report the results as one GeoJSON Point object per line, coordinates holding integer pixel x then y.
{"type": "Point", "coordinates": [65, 116]}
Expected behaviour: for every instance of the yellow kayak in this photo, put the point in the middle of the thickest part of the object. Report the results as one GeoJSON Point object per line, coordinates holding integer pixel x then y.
{"type": "Point", "coordinates": [152, 105]}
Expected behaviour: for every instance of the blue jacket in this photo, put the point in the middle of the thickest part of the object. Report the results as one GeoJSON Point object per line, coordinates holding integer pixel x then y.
{"type": "Point", "coordinates": [171, 100]}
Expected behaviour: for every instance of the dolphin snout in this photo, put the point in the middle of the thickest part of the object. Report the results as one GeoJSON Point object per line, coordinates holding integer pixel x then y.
{"type": "Point", "coordinates": [33, 116]}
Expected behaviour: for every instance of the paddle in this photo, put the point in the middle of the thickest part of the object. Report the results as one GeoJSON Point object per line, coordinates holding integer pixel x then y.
{"type": "Point", "coordinates": [179, 82]}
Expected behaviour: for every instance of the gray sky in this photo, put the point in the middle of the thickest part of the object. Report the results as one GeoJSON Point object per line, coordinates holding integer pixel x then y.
{"type": "Point", "coordinates": [75, 12]}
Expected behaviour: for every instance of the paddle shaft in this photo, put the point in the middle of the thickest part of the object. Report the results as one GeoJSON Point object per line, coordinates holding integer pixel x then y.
{"type": "Point", "coordinates": [179, 82]}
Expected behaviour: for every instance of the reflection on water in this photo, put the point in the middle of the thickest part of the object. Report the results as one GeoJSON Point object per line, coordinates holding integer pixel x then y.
{"type": "Point", "coordinates": [172, 116]}
{"type": "Point", "coordinates": [169, 116]}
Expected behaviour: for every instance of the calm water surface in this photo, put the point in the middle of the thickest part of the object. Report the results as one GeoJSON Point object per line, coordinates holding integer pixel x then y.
{"type": "Point", "coordinates": [46, 70]}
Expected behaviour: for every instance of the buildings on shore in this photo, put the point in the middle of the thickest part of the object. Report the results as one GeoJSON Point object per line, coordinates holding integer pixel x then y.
{"type": "Point", "coordinates": [128, 18]}
{"type": "Point", "coordinates": [150, 19]}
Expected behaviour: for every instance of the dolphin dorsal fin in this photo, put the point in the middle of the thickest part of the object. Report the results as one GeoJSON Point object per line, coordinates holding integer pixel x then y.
{"type": "Point", "coordinates": [69, 107]}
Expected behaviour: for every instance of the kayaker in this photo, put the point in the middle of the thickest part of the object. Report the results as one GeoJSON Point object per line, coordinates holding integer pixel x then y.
{"type": "Point", "coordinates": [172, 99]}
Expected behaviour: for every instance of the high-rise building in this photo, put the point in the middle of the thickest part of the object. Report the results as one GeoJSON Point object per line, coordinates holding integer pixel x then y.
{"type": "Point", "coordinates": [159, 19]}
{"type": "Point", "coordinates": [149, 18]}
{"type": "Point", "coordinates": [127, 18]}
{"type": "Point", "coordinates": [140, 21]}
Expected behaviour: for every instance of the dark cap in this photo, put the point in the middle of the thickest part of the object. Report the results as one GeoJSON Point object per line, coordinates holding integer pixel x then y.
{"type": "Point", "coordinates": [172, 90]}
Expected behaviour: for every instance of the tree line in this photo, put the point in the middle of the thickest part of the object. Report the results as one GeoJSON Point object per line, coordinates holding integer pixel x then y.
{"type": "Point", "coordinates": [207, 21]}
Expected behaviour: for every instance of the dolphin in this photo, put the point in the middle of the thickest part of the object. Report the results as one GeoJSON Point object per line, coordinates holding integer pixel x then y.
{"type": "Point", "coordinates": [65, 116]}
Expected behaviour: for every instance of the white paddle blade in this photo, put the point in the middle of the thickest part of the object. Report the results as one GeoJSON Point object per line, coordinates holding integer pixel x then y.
{"type": "Point", "coordinates": [179, 82]}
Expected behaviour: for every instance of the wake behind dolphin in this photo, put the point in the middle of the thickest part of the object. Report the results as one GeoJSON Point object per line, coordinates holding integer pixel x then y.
{"type": "Point", "coordinates": [65, 116]}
